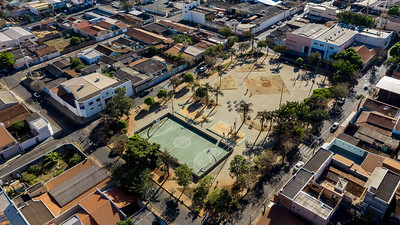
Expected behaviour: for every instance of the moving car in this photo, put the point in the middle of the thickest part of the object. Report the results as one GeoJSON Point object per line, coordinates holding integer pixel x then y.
{"type": "Point", "coordinates": [334, 127]}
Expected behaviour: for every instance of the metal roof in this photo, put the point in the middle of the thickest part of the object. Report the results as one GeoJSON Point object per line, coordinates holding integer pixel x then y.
{"type": "Point", "coordinates": [297, 183]}
{"type": "Point", "coordinates": [389, 84]}
{"type": "Point", "coordinates": [317, 160]}
{"type": "Point", "coordinates": [78, 184]}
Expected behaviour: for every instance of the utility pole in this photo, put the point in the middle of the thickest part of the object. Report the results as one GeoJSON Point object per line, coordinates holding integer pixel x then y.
{"type": "Point", "coordinates": [26, 63]}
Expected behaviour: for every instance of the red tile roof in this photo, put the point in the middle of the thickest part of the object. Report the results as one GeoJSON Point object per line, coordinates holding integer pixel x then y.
{"type": "Point", "coordinates": [365, 53]}
{"type": "Point", "coordinates": [46, 50]}
{"type": "Point", "coordinates": [105, 24]}
{"type": "Point", "coordinates": [145, 36]}
{"type": "Point", "coordinates": [120, 197]}
{"type": "Point", "coordinates": [82, 24]}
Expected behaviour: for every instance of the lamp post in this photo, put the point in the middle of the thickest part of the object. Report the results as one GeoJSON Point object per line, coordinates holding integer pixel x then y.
{"type": "Point", "coordinates": [26, 62]}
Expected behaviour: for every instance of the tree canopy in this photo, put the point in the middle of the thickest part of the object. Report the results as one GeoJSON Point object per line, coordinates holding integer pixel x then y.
{"type": "Point", "coordinates": [149, 101]}
{"type": "Point", "coordinates": [339, 91]}
{"type": "Point", "coordinates": [162, 93]}
{"type": "Point", "coordinates": [119, 105]}
{"type": "Point", "coordinates": [179, 38]}
{"type": "Point", "coordinates": [350, 55]}
{"type": "Point", "coordinates": [315, 58]}
{"type": "Point", "coordinates": [344, 69]}
{"type": "Point", "coordinates": [394, 10]}
{"type": "Point", "coordinates": [226, 31]}
{"type": "Point", "coordinates": [395, 50]}
{"type": "Point", "coordinates": [125, 222]}
{"type": "Point", "coordinates": [239, 166]}
{"type": "Point", "coordinates": [357, 19]}
{"type": "Point", "coordinates": [188, 78]}
{"type": "Point", "coordinates": [201, 92]}
{"type": "Point", "coordinates": [183, 175]}
{"type": "Point", "coordinates": [280, 49]}
{"type": "Point", "coordinates": [6, 60]}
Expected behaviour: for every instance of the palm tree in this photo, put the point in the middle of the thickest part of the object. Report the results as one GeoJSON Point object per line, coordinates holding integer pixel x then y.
{"type": "Point", "coordinates": [269, 43]}
{"type": "Point", "coordinates": [174, 83]}
{"type": "Point", "coordinates": [232, 51]}
{"type": "Point", "coordinates": [209, 89]}
{"type": "Point", "coordinates": [166, 158]}
{"type": "Point", "coordinates": [245, 108]}
{"type": "Point", "coordinates": [217, 92]}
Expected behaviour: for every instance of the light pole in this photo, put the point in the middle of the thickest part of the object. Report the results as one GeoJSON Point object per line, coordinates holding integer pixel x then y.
{"type": "Point", "coordinates": [26, 63]}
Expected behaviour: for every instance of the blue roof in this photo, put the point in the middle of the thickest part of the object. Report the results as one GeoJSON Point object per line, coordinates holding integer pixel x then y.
{"type": "Point", "coordinates": [10, 210]}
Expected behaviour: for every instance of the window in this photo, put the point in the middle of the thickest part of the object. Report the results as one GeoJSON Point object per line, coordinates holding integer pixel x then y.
{"type": "Point", "coordinates": [321, 45]}
{"type": "Point", "coordinates": [331, 47]}
{"type": "Point", "coordinates": [90, 103]}
{"type": "Point", "coordinates": [91, 108]}
{"type": "Point", "coordinates": [315, 44]}
{"type": "Point", "coordinates": [3, 46]}
{"type": "Point", "coordinates": [97, 100]}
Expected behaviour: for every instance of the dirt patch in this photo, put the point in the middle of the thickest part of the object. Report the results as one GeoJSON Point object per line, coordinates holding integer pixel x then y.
{"type": "Point", "coordinates": [251, 67]}
{"type": "Point", "coordinates": [222, 128]}
{"type": "Point", "coordinates": [60, 43]}
{"type": "Point", "coordinates": [256, 124]}
{"type": "Point", "coordinates": [194, 114]}
{"type": "Point", "coordinates": [227, 83]}
{"type": "Point", "coordinates": [265, 85]}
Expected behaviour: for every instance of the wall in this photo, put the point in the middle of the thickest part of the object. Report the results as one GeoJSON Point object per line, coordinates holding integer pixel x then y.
{"type": "Point", "coordinates": [62, 102]}
{"type": "Point", "coordinates": [28, 143]}
{"type": "Point", "coordinates": [392, 26]}
{"type": "Point", "coordinates": [11, 151]}
{"type": "Point", "coordinates": [50, 56]}
{"type": "Point", "coordinates": [329, 13]}
{"type": "Point", "coordinates": [8, 44]}
{"type": "Point", "coordinates": [297, 43]}
{"type": "Point", "coordinates": [374, 41]}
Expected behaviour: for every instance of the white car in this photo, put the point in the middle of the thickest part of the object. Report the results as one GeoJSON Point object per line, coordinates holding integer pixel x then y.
{"type": "Point", "coordinates": [298, 166]}
{"type": "Point", "coordinates": [334, 127]}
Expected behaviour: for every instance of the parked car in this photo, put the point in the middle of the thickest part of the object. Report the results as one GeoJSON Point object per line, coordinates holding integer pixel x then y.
{"type": "Point", "coordinates": [341, 101]}
{"type": "Point", "coordinates": [144, 93]}
{"type": "Point", "coordinates": [37, 96]}
{"type": "Point", "coordinates": [334, 127]}
{"type": "Point", "coordinates": [279, 23]}
{"type": "Point", "coordinates": [298, 166]}
{"type": "Point", "coordinates": [365, 87]}
{"type": "Point", "coordinates": [203, 69]}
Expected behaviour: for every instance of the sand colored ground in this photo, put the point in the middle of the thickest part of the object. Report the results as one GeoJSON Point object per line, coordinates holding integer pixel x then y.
{"type": "Point", "coordinates": [227, 83]}
{"type": "Point", "coordinates": [266, 85]}
{"type": "Point", "coordinates": [194, 114]}
{"type": "Point", "coordinates": [251, 67]}
{"type": "Point", "coordinates": [222, 128]}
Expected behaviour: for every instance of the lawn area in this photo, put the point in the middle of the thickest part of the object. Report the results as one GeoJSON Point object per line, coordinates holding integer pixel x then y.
{"type": "Point", "coordinates": [60, 43]}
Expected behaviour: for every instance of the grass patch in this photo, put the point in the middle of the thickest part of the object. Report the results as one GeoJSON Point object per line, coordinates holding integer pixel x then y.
{"type": "Point", "coordinates": [60, 43]}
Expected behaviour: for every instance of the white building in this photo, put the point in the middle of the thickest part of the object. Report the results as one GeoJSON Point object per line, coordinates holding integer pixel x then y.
{"type": "Point", "coordinates": [324, 12]}
{"type": "Point", "coordinates": [88, 95]}
{"type": "Point", "coordinates": [38, 7]}
{"type": "Point", "coordinates": [9, 37]}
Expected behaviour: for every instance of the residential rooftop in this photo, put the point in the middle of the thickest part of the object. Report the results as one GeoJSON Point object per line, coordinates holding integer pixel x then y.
{"type": "Point", "coordinates": [314, 205]}
{"type": "Point", "coordinates": [317, 160]}
{"type": "Point", "coordinates": [389, 84]}
{"type": "Point", "coordinates": [296, 183]}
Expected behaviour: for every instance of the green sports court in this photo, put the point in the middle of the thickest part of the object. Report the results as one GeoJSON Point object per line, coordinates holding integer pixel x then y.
{"type": "Point", "coordinates": [186, 143]}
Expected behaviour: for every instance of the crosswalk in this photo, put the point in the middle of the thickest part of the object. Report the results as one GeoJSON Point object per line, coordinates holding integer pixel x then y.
{"type": "Point", "coordinates": [305, 151]}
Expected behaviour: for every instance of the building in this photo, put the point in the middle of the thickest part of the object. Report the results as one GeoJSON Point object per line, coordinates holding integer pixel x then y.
{"type": "Point", "coordinates": [322, 12]}
{"type": "Point", "coordinates": [47, 53]}
{"type": "Point", "coordinates": [8, 145]}
{"type": "Point", "coordinates": [392, 23]}
{"type": "Point", "coordinates": [134, 76]}
{"type": "Point", "coordinates": [389, 90]}
{"type": "Point", "coordinates": [145, 37]}
{"type": "Point", "coordinates": [11, 36]}
{"type": "Point", "coordinates": [7, 100]}
{"type": "Point", "coordinates": [88, 95]}
{"type": "Point", "coordinates": [38, 7]}
{"type": "Point", "coordinates": [83, 3]}
{"type": "Point", "coordinates": [366, 55]}
{"type": "Point", "coordinates": [148, 66]}
{"type": "Point", "coordinates": [335, 39]}
{"type": "Point", "coordinates": [57, 4]}
{"type": "Point", "coordinates": [9, 213]}
{"type": "Point", "coordinates": [380, 191]}
{"type": "Point", "coordinates": [100, 28]}
{"type": "Point", "coordinates": [90, 56]}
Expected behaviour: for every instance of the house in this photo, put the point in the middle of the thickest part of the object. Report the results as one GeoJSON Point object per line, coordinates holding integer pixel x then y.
{"type": "Point", "coordinates": [319, 12]}
{"type": "Point", "coordinates": [90, 56]}
{"type": "Point", "coordinates": [112, 51]}
{"type": "Point", "coordinates": [389, 90]}
{"type": "Point", "coordinates": [100, 28]}
{"type": "Point", "coordinates": [91, 69]}
{"type": "Point", "coordinates": [155, 28]}
{"type": "Point", "coordinates": [53, 71]}
{"type": "Point", "coordinates": [12, 114]}
{"type": "Point", "coordinates": [88, 95]}
{"type": "Point", "coordinates": [47, 53]}
{"type": "Point", "coordinates": [7, 100]}
{"type": "Point", "coordinates": [392, 23]}
{"type": "Point", "coordinates": [148, 66]}
{"type": "Point", "coordinates": [48, 23]}
{"type": "Point", "coordinates": [135, 77]}
{"type": "Point", "coordinates": [9, 212]}
{"type": "Point", "coordinates": [197, 53]}
{"type": "Point", "coordinates": [39, 7]}
{"type": "Point", "coordinates": [366, 55]}
{"type": "Point", "coordinates": [57, 4]}
{"type": "Point", "coordinates": [176, 27]}
{"type": "Point", "coordinates": [300, 40]}
{"type": "Point", "coordinates": [145, 37]}
{"type": "Point", "coordinates": [24, 57]}
{"type": "Point", "coordinates": [380, 191]}
{"type": "Point", "coordinates": [11, 36]}
{"type": "Point", "coordinates": [83, 3]}
{"type": "Point", "coordinates": [8, 145]}
{"type": "Point", "coordinates": [64, 192]}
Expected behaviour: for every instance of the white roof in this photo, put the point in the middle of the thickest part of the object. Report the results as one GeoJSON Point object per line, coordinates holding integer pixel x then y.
{"type": "Point", "coordinates": [16, 32]}
{"type": "Point", "coordinates": [269, 2]}
{"type": "Point", "coordinates": [389, 84]}
{"type": "Point", "coordinates": [4, 38]}
{"type": "Point", "coordinates": [90, 53]}
{"type": "Point", "coordinates": [191, 50]}
{"type": "Point", "coordinates": [39, 123]}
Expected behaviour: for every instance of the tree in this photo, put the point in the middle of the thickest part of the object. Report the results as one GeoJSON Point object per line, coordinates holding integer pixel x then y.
{"type": "Point", "coordinates": [269, 43]}
{"type": "Point", "coordinates": [394, 10]}
{"type": "Point", "coordinates": [318, 116]}
{"type": "Point", "coordinates": [26, 18]}
{"type": "Point", "coordinates": [339, 91]}
{"type": "Point", "coordinates": [149, 101]}
{"type": "Point", "coordinates": [263, 116]}
{"type": "Point", "coordinates": [315, 58]}
{"type": "Point", "coordinates": [201, 92]}
{"type": "Point", "coordinates": [292, 112]}
{"type": "Point", "coordinates": [261, 44]}
{"type": "Point", "coordinates": [166, 158]}
{"type": "Point", "coordinates": [125, 222]}
{"type": "Point", "coordinates": [217, 92]}
{"type": "Point", "coordinates": [280, 49]}
{"type": "Point", "coordinates": [392, 62]}
{"type": "Point", "coordinates": [245, 108]}
{"type": "Point", "coordinates": [344, 69]}
{"type": "Point", "coordinates": [357, 19]}
{"type": "Point", "coordinates": [352, 56]}
{"type": "Point", "coordinates": [18, 127]}
{"type": "Point", "coordinates": [209, 61]}
{"type": "Point", "coordinates": [239, 166]}
{"type": "Point", "coordinates": [152, 51]}
{"type": "Point", "coordinates": [243, 46]}
{"type": "Point", "coordinates": [75, 41]}
{"type": "Point", "coordinates": [119, 105]}
{"type": "Point", "coordinates": [395, 50]}
{"type": "Point", "coordinates": [3, 14]}
{"type": "Point", "coordinates": [6, 60]}
{"type": "Point", "coordinates": [226, 31]}
{"type": "Point", "coordinates": [202, 189]}
{"type": "Point", "coordinates": [220, 201]}
{"type": "Point", "coordinates": [180, 38]}
{"type": "Point", "coordinates": [300, 61]}
{"type": "Point", "coordinates": [188, 78]}
{"type": "Point", "coordinates": [162, 93]}
{"type": "Point", "coordinates": [141, 152]}
{"type": "Point", "coordinates": [183, 176]}
{"type": "Point", "coordinates": [35, 169]}
{"type": "Point", "coordinates": [232, 40]}
{"type": "Point", "coordinates": [118, 143]}
{"type": "Point", "coordinates": [75, 159]}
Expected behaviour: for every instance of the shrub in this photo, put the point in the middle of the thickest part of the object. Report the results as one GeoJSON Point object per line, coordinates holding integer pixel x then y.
{"type": "Point", "coordinates": [161, 93]}
{"type": "Point", "coordinates": [29, 178]}
{"type": "Point", "coordinates": [58, 173]}
{"type": "Point", "coordinates": [75, 159]}
{"type": "Point", "coordinates": [35, 170]}
{"type": "Point", "coordinates": [17, 127]}
{"type": "Point", "coordinates": [121, 124]}
{"type": "Point", "coordinates": [149, 101]}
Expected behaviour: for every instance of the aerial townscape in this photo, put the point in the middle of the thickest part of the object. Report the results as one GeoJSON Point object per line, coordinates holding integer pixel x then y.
{"type": "Point", "coordinates": [141, 112]}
